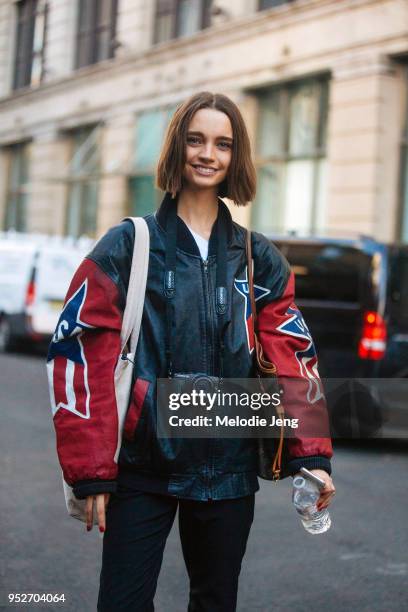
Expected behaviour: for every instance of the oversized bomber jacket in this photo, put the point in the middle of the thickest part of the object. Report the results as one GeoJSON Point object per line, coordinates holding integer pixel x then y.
{"type": "Point", "coordinates": [86, 346]}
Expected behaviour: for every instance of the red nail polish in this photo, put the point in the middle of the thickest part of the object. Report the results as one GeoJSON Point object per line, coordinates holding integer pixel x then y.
{"type": "Point", "coordinates": [102, 529]}
{"type": "Point", "coordinates": [88, 528]}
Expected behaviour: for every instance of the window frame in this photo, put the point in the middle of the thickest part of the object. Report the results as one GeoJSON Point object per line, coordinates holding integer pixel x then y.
{"type": "Point", "coordinates": [144, 171]}
{"type": "Point", "coordinates": [402, 218]}
{"type": "Point", "coordinates": [17, 193]}
{"type": "Point", "coordinates": [24, 58]}
{"type": "Point", "coordinates": [94, 33]}
{"type": "Point", "coordinates": [282, 160]}
{"type": "Point", "coordinates": [82, 180]}
{"type": "Point", "coordinates": [174, 12]}
{"type": "Point", "coordinates": [261, 6]}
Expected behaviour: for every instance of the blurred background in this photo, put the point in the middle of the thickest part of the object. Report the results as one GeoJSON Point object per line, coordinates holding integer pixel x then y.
{"type": "Point", "coordinates": [87, 88]}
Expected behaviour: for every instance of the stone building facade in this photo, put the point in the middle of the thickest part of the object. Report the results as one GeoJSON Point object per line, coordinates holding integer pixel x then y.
{"type": "Point", "coordinates": [87, 88]}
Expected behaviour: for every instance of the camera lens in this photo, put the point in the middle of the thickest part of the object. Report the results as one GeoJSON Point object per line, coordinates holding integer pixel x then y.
{"type": "Point", "coordinates": [204, 383]}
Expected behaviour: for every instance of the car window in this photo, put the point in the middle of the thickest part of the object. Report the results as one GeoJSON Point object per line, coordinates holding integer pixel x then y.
{"type": "Point", "coordinates": [327, 271]}
{"type": "Point", "coordinates": [55, 269]}
{"type": "Point", "coordinates": [14, 263]}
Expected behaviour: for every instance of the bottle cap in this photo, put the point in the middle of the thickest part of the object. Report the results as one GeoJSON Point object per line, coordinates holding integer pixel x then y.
{"type": "Point", "coordinates": [299, 482]}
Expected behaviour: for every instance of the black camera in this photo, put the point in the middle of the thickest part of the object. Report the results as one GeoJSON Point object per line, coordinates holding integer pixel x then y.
{"type": "Point", "coordinates": [187, 382]}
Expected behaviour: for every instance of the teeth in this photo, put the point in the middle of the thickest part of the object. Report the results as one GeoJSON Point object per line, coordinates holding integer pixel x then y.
{"type": "Point", "coordinates": [205, 170]}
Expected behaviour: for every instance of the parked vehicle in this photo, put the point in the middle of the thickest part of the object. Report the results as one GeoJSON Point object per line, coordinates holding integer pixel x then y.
{"type": "Point", "coordinates": [35, 272]}
{"type": "Point", "coordinates": [353, 294]}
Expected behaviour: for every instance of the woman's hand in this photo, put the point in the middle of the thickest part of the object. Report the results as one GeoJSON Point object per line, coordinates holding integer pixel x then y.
{"type": "Point", "coordinates": [101, 501]}
{"type": "Point", "coordinates": [327, 493]}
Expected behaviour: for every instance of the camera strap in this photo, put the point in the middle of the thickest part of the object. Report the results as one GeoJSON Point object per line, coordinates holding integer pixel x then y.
{"type": "Point", "coordinates": [221, 295]}
{"type": "Point", "coordinates": [170, 282]}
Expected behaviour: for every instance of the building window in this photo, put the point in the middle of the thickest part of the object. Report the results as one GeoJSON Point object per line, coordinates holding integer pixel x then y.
{"type": "Point", "coordinates": [84, 182]}
{"type": "Point", "coordinates": [16, 196]}
{"type": "Point", "coordinates": [266, 4]}
{"type": "Point", "coordinates": [96, 31]}
{"type": "Point", "coordinates": [30, 46]}
{"type": "Point", "coordinates": [291, 158]}
{"type": "Point", "coordinates": [150, 129]}
{"type": "Point", "coordinates": [178, 18]}
{"type": "Point", "coordinates": [404, 169]}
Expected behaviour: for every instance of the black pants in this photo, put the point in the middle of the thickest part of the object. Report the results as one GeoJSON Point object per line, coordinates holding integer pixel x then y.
{"type": "Point", "coordinates": [213, 537]}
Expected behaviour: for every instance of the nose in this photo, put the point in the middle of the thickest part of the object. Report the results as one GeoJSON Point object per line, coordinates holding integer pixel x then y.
{"type": "Point", "coordinates": [207, 151]}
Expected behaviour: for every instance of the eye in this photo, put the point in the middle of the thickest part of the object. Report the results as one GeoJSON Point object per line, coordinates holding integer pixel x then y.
{"type": "Point", "coordinates": [193, 140]}
{"type": "Point", "coordinates": [224, 144]}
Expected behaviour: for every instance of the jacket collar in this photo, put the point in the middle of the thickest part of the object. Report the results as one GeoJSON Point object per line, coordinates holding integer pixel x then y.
{"type": "Point", "coordinates": [185, 239]}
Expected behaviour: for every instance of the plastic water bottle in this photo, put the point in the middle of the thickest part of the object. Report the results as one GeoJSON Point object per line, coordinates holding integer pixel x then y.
{"type": "Point", "coordinates": [305, 495]}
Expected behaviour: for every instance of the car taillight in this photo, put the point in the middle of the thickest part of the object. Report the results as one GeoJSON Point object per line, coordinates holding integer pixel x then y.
{"type": "Point", "coordinates": [373, 341]}
{"type": "Point", "coordinates": [30, 295]}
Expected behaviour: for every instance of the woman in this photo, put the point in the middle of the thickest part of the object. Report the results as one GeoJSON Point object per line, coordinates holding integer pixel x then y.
{"type": "Point", "coordinates": [196, 319]}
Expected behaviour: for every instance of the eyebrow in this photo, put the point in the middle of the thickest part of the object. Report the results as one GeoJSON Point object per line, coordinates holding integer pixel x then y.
{"type": "Point", "coordinates": [195, 133]}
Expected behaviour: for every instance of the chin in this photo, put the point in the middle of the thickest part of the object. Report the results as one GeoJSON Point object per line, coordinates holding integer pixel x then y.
{"type": "Point", "coordinates": [202, 183]}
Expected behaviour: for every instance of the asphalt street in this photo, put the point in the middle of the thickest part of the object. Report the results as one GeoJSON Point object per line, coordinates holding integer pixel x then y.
{"type": "Point", "coordinates": [361, 564]}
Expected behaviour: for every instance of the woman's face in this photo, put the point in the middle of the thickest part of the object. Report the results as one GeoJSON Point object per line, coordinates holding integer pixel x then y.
{"type": "Point", "coordinates": [208, 149]}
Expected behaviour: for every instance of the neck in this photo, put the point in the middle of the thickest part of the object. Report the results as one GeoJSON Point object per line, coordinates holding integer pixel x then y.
{"type": "Point", "coordinates": [198, 209]}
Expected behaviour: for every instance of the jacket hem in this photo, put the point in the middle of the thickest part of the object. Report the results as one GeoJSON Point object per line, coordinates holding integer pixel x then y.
{"type": "Point", "coordinates": [191, 486]}
{"type": "Point", "coordinates": [317, 462]}
{"type": "Point", "coordinates": [84, 488]}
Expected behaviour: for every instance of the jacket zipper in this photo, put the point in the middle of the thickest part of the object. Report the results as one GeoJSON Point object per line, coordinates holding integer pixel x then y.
{"type": "Point", "coordinates": [211, 363]}
{"type": "Point", "coordinates": [210, 317]}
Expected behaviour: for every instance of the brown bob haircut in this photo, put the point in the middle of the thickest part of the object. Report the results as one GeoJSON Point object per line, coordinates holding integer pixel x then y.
{"type": "Point", "coordinates": [240, 183]}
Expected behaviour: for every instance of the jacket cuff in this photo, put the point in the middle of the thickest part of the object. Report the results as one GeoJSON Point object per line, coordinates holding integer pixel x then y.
{"type": "Point", "coordinates": [316, 462]}
{"type": "Point", "coordinates": [83, 488]}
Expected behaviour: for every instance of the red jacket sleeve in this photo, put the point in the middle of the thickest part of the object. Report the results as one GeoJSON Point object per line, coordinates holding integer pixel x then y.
{"type": "Point", "coordinates": [287, 342]}
{"type": "Point", "coordinates": [81, 363]}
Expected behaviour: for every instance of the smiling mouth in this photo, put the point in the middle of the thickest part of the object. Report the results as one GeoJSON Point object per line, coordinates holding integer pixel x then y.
{"type": "Point", "coordinates": [204, 171]}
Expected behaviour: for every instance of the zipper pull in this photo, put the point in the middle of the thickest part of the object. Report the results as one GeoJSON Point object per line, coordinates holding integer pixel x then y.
{"type": "Point", "coordinates": [127, 357]}
{"type": "Point", "coordinates": [205, 265]}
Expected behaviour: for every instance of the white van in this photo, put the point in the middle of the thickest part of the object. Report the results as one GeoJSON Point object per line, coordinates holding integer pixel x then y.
{"type": "Point", "coordinates": [35, 272]}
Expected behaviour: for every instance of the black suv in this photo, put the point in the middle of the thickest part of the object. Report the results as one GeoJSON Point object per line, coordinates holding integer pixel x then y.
{"type": "Point", "coordinates": [353, 294]}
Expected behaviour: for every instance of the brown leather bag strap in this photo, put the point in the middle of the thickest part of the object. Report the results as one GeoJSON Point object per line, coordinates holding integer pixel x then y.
{"type": "Point", "coordinates": [251, 278]}
{"type": "Point", "coordinates": [265, 367]}
{"type": "Point", "coordinates": [277, 462]}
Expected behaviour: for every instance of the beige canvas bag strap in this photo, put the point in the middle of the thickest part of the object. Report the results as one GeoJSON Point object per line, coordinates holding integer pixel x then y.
{"type": "Point", "coordinates": [132, 316]}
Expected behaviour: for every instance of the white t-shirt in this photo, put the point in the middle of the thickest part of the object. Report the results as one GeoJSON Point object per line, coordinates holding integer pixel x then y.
{"type": "Point", "coordinates": [202, 244]}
